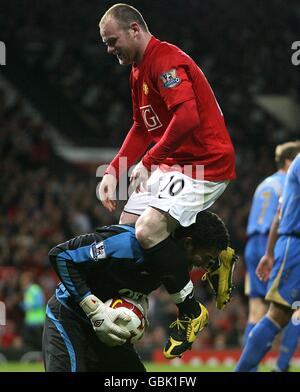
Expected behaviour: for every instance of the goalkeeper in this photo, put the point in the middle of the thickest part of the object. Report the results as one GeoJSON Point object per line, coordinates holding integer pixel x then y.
{"type": "Point", "coordinates": [80, 332]}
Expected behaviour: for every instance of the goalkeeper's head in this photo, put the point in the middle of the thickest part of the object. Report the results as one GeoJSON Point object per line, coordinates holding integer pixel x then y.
{"type": "Point", "coordinates": [204, 239]}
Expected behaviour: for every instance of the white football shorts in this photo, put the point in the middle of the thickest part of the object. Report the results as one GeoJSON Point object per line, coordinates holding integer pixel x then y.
{"type": "Point", "coordinates": [177, 194]}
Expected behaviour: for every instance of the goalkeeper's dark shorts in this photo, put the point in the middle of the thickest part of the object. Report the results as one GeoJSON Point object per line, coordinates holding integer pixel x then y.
{"type": "Point", "coordinates": [71, 345]}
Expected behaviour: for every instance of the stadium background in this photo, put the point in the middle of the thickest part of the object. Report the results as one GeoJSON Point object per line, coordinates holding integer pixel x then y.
{"type": "Point", "coordinates": [65, 108]}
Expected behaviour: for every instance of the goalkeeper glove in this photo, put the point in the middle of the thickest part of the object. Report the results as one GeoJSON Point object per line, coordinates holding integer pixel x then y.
{"type": "Point", "coordinates": [103, 320]}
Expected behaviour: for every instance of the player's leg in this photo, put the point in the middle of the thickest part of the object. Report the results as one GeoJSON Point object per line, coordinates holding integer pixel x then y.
{"type": "Point", "coordinates": [127, 218]}
{"type": "Point", "coordinates": [154, 227]}
{"type": "Point", "coordinates": [183, 198]}
{"type": "Point", "coordinates": [165, 259]}
{"type": "Point", "coordinates": [289, 342]}
{"type": "Point", "coordinates": [282, 286]}
{"type": "Point", "coordinates": [255, 289]}
{"type": "Point", "coordinates": [102, 358]}
{"type": "Point", "coordinates": [178, 200]}
{"type": "Point", "coordinates": [262, 335]}
{"type": "Point", "coordinates": [55, 353]}
{"type": "Point", "coordinates": [172, 198]}
{"type": "Point", "coordinates": [64, 342]}
{"type": "Point", "coordinates": [257, 309]}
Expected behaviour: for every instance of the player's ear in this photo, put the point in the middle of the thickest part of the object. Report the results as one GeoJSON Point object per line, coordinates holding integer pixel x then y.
{"type": "Point", "coordinates": [287, 163]}
{"type": "Point", "coordinates": [134, 28]}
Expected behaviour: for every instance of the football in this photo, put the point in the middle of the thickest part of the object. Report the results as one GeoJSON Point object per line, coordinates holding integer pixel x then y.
{"type": "Point", "coordinates": [136, 311]}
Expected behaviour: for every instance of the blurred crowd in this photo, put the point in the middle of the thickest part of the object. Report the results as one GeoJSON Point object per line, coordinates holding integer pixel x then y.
{"type": "Point", "coordinates": [244, 51]}
{"type": "Point", "coordinates": [243, 47]}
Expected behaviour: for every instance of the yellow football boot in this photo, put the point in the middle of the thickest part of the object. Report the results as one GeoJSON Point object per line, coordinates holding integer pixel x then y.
{"type": "Point", "coordinates": [221, 279]}
{"type": "Point", "coordinates": [183, 333]}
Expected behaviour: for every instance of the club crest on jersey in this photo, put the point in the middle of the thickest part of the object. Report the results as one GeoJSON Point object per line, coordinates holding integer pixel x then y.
{"type": "Point", "coordinates": [145, 88]}
{"type": "Point", "coordinates": [170, 78]}
{"type": "Point", "coordinates": [97, 251]}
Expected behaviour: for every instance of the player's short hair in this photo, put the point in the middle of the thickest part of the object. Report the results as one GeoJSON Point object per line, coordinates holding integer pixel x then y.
{"type": "Point", "coordinates": [285, 151]}
{"type": "Point", "coordinates": [125, 14]}
{"type": "Point", "coordinates": [209, 232]}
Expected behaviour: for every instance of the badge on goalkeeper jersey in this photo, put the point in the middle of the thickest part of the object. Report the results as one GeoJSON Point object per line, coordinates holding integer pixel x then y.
{"type": "Point", "coordinates": [97, 251]}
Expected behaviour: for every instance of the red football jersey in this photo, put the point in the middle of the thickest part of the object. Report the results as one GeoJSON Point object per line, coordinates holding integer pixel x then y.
{"type": "Point", "coordinates": [165, 78]}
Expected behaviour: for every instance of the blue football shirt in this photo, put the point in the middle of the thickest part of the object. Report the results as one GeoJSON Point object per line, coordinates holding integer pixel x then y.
{"type": "Point", "coordinates": [290, 214]}
{"type": "Point", "coordinates": [264, 204]}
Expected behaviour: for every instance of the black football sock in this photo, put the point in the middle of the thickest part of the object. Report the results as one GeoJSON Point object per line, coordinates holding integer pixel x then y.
{"type": "Point", "coordinates": [189, 307]}
{"type": "Point", "coordinates": [168, 262]}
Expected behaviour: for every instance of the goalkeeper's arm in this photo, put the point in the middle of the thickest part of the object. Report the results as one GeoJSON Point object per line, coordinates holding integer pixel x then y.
{"type": "Point", "coordinates": [67, 260]}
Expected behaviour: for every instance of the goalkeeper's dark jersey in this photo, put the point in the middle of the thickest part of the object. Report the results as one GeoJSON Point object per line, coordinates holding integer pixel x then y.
{"type": "Point", "coordinates": [106, 263]}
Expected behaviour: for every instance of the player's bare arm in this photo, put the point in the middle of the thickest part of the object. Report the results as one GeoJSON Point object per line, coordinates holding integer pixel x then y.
{"type": "Point", "coordinates": [264, 267]}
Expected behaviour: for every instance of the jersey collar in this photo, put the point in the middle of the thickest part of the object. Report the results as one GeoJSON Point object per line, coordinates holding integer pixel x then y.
{"type": "Point", "coordinates": [151, 45]}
